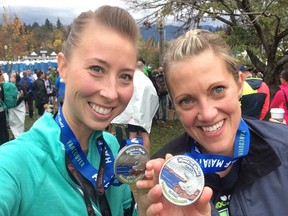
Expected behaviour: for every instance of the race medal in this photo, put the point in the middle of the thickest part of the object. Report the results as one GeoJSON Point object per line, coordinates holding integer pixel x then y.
{"type": "Point", "coordinates": [182, 180]}
{"type": "Point", "coordinates": [130, 163]}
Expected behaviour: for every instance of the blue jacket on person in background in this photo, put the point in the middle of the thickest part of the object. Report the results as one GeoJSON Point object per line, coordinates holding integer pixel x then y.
{"type": "Point", "coordinates": [29, 82]}
{"type": "Point", "coordinates": [60, 88]}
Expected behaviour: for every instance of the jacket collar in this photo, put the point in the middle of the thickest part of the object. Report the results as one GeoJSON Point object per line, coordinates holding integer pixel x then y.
{"type": "Point", "coordinates": [260, 161]}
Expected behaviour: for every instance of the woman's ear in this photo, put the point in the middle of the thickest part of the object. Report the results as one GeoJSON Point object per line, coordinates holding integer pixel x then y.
{"type": "Point", "coordinates": [62, 66]}
{"type": "Point", "coordinates": [241, 81]}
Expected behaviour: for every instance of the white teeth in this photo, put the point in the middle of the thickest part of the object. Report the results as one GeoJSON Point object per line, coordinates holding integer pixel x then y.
{"type": "Point", "coordinates": [100, 110]}
{"type": "Point", "coordinates": [213, 128]}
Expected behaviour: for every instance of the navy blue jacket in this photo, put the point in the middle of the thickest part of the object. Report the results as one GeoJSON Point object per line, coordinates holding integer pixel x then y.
{"type": "Point", "coordinates": [262, 187]}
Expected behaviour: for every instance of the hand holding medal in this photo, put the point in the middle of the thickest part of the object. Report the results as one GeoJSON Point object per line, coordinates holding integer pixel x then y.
{"type": "Point", "coordinates": [152, 200]}
{"type": "Point", "coordinates": [182, 180]}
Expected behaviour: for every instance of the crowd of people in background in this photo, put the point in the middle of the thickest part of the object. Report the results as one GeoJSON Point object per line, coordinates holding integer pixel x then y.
{"type": "Point", "coordinates": [45, 91]}
{"type": "Point", "coordinates": [37, 89]}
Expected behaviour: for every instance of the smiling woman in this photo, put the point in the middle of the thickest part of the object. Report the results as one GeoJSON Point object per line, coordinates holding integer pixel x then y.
{"type": "Point", "coordinates": [240, 158]}
{"type": "Point", "coordinates": [62, 159]}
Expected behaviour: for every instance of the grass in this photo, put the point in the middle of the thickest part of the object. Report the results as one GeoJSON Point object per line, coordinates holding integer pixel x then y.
{"type": "Point", "coordinates": [160, 133]}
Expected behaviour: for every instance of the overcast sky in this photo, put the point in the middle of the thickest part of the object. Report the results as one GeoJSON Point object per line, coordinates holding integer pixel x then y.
{"type": "Point", "coordinates": [30, 11]}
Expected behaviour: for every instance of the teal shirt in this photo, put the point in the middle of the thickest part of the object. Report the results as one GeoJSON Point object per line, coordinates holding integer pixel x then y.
{"type": "Point", "coordinates": [34, 180]}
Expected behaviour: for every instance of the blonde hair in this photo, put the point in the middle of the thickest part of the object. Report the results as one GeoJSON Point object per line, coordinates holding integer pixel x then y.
{"type": "Point", "coordinates": [193, 43]}
{"type": "Point", "coordinates": [115, 18]}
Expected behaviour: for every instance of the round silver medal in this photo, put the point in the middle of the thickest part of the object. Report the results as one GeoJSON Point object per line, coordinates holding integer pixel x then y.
{"type": "Point", "coordinates": [182, 180]}
{"type": "Point", "coordinates": [130, 163]}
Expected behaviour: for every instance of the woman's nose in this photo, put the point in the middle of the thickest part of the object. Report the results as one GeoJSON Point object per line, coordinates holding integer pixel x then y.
{"type": "Point", "coordinates": [206, 111]}
{"type": "Point", "coordinates": [109, 91]}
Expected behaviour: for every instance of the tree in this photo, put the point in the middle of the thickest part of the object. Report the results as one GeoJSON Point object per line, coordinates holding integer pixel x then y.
{"type": "Point", "coordinates": [14, 35]}
{"type": "Point", "coordinates": [22, 39]}
{"type": "Point", "coordinates": [59, 25]}
{"type": "Point", "coordinates": [48, 25]}
{"type": "Point", "coordinates": [149, 51]}
{"type": "Point", "coordinates": [257, 26]}
{"type": "Point", "coordinates": [58, 39]}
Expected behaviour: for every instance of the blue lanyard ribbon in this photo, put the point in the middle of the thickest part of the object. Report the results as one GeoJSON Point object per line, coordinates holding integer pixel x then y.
{"type": "Point", "coordinates": [76, 155]}
{"type": "Point", "coordinates": [211, 163]}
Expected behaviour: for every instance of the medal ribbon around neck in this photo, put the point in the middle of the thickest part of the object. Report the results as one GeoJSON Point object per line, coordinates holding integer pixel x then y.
{"type": "Point", "coordinates": [211, 163]}
{"type": "Point", "coordinates": [78, 158]}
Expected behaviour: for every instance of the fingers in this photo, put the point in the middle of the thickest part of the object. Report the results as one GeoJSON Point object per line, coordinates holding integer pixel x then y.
{"type": "Point", "coordinates": [167, 156]}
{"type": "Point", "coordinates": [154, 197]}
{"type": "Point", "coordinates": [150, 202]}
{"type": "Point", "coordinates": [152, 171]}
{"type": "Point", "coordinates": [202, 204]}
{"type": "Point", "coordinates": [277, 121]}
{"type": "Point", "coordinates": [154, 209]}
{"type": "Point", "coordinates": [151, 193]}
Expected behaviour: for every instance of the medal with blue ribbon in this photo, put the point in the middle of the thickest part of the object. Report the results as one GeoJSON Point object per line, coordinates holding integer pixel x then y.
{"type": "Point", "coordinates": [211, 163]}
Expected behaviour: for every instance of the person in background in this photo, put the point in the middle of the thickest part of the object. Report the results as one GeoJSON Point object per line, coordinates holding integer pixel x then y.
{"type": "Point", "coordinates": [33, 75]}
{"type": "Point", "coordinates": [146, 68]}
{"type": "Point", "coordinates": [50, 92]}
{"type": "Point", "coordinates": [4, 134]}
{"type": "Point", "coordinates": [44, 166]}
{"type": "Point", "coordinates": [141, 109]}
{"type": "Point", "coordinates": [27, 83]}
{"type": "Point", "coordinates": [280, 100]}
{"type": "Point", "coordinates": [152, 77]}
{"type": "Point", "coordinates": [205, 88]}
{"type": "Point", "coordinates": [40, 93]}
{"type": "Point", "coordinates": [5, 75]}
{"type": "Point", "coordinates": [162, 94]}
{"type": "Point", "coordinates": [17, 114]}
{"type": "Point", "coordinates": [255, 98]}
{"type": "Point", "coordinates": [48, 84]}
{"type": "Point", "coordinates": [60, 91]}
{"type": "Point", "coordinates": [53, 76]}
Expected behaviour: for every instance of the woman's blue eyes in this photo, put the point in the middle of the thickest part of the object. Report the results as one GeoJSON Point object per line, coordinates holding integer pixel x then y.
{"type": "Point", "coordinates": [218, 90]}
{"type": "Point", "coordinates": [126, 76]}
{"type": "Point", "coordinates": [185, 101]}
{"type": "Point", "coordinates": [96, 68]}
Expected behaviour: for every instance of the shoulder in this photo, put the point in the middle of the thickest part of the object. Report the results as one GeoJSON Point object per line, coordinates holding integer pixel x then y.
{"type": "Point", "coordinates": [111, 142]}
{"type": "Point", "coordinates": [279, 93]}
{"type": "Point", "coordinates": [273, 133]}
{"type": "Point", "coordinates": [38, 141]}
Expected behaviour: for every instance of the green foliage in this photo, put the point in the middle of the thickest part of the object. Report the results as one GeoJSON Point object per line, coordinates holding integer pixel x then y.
{"type": "Point", "coordinates": [48, 26]}
{"type": "Point", "coordinates": [59, 25]}
{"type": "Point", "coordinates": [149, 51]}
{"type": "Point", "coordinates": [259, 27]}
{"type": "Point", "coordinates": [22, 39]}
